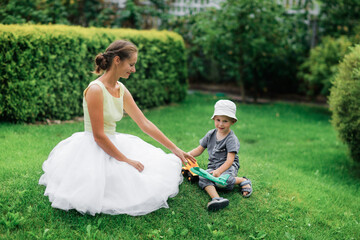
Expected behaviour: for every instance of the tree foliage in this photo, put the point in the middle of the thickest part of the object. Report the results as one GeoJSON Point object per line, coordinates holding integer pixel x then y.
{"type": "Point", "coordinates": [37, 11]}
{"type": "Point", "coordinates": [252, 40]}
{"type": "Point", "coordinates": [99, 13]}
{"type": "Point", "coordinates": [339, 17]}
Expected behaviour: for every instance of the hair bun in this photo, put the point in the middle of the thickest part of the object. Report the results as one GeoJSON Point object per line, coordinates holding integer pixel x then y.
{"type": "Point", "coordinates": [101, 61]}
{"type": "Point", "coordinates": [121, 48]}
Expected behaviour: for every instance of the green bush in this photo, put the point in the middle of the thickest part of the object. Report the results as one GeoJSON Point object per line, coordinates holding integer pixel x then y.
{"type": "Point", "coordinates": [339, 17]}
{"type": "Point", "coordinates": [46, 68]}
{"type": "Point", "coordinates": [201, 68]}
{"type": "Point", "coordinates": [320, 68]}
{"type": "Point", "coordinates": [254, 43]}
{"type": "Point", "coordinates": [355, 38]}
{"type": "Point", "coordinates": [345, 102]}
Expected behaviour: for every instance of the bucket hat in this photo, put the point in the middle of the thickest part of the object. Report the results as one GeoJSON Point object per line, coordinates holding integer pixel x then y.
{"type": "Point", "coordinates": [225, 108]}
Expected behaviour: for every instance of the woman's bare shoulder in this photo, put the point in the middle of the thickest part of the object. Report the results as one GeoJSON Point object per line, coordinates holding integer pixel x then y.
{"type": "Point", "coordinates": [93, 90]}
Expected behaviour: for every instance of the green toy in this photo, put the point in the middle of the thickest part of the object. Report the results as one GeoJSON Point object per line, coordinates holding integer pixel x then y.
{"type": "Point", "coordinates": [220, 180]}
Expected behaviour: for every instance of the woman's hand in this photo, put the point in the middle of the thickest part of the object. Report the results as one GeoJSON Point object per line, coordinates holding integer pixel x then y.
{"type": "Point", "coordinates": [136, 164]}
{"type": "Point", "coordinates": [184, 157]}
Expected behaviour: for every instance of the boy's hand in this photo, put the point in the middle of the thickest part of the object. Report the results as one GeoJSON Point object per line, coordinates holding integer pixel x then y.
{"type": "Point", "coordinates": [216, 173]}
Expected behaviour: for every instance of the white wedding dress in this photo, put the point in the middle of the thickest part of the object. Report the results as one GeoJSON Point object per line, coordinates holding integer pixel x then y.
{"type": "Point", "coordinates": [79, 175]}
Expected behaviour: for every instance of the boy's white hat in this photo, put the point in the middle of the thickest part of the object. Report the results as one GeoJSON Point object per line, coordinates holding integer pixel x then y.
{"type": "Point", "coordinates": [225, 108]}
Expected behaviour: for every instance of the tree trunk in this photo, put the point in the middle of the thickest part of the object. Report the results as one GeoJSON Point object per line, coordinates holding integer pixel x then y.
{"type": "Point", "coordinates": [241, 84]}
{"type": "Point", "coordinates": [242, 91]}
{"type": "Point", "coordinates": [256, 92]}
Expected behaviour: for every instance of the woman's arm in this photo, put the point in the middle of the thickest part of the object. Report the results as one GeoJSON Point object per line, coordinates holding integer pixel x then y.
{"type": "Point", "coordinates": [197, 151]}
{"type": "Point", "coordinates": [149, 128]}
{"type": "Point", "coordinates": [94, 99]}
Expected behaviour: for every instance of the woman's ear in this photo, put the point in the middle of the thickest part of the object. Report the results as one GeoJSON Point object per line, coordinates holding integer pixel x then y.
{"type": "Point", "coordinates": [117, 60]}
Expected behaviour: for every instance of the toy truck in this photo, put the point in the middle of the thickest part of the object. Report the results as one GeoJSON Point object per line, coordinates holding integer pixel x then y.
{"type": "Point", "coordinates": [188, 174]}
{"type": "Point", "coordinates": [191, 172]}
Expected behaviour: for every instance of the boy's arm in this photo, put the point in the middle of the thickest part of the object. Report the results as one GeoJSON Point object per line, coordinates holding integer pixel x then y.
{"type": "Point", "coordinates": [197, 151]}
{"type": "Point", "coordinates": [229, 161]}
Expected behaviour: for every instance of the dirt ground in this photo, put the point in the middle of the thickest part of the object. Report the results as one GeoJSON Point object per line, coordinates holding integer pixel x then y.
{"type": "Point", "coordinates": [233, 92]}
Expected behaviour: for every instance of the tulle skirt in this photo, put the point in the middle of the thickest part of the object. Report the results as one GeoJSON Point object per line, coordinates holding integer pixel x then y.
{"type": "Point", "coordinates": [79, 175]}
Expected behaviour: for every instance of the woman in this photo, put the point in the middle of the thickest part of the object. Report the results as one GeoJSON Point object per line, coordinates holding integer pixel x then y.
{"type": "Point", "coordinates": [101, 171]}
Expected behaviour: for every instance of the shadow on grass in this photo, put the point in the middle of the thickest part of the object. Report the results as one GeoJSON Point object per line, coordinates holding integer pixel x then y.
{"type": "Point", "coordinates": [338, 166]}
{"type": "Point", "coordinates": [353, 169]}
{"type": "Point", "coordinates": [343, 168]}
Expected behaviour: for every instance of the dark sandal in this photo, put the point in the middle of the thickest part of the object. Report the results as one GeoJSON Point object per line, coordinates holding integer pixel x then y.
{"type": "Point", "coordinates": [217, 204]}
{"type": "Point", "coordinates": [248, 190]}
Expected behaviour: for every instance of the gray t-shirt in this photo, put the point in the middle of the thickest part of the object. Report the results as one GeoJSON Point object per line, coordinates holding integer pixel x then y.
{"type": "Point", "coordinates": [218, 150]}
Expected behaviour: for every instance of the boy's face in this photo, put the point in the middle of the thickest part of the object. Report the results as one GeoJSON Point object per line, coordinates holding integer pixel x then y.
{"type": "Point", "coordinates": [223, 124]}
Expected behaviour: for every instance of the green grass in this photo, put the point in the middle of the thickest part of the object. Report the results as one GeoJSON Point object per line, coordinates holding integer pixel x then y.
{"type": "Point", "coordinates": [305, 184]}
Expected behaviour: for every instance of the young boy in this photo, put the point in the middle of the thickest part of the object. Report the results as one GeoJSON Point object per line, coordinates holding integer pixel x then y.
{"type": "Point", "coordinates": [222, 146]}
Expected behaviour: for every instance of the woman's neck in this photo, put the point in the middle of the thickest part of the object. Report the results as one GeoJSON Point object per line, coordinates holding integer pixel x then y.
{"type": "Point", "coordinates": [109, 79]}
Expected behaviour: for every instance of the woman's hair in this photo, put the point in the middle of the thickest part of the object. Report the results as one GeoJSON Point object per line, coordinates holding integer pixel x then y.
{"type": "Point", "coordinates": [122, 48]}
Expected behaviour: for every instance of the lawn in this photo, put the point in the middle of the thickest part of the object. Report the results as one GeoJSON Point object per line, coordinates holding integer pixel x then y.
{"type": "Point", "coordinates": [305, 184]}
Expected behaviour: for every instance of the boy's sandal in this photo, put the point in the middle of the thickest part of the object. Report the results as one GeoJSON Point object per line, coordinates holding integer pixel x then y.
{"type": "Point", "coordinates": [217, 204]}
{"type": "Point", "coordinates": [249, 190]}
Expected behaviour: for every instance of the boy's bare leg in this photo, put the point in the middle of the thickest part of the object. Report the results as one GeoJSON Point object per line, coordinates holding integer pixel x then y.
{"type": "Point", "coordinates": [239, 180]}
{"type": "Point", "coordinates": [216, 202]}
{"type": "Point", "coordinates": [211, 190]}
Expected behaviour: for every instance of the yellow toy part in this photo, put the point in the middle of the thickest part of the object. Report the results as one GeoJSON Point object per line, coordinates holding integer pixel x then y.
{"type": "Point", "coordinates": [188, 174]}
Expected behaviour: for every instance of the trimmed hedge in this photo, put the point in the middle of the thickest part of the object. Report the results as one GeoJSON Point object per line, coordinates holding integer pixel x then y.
{"type": "Point", "coordinates": [344, 102]}
{"type": "Point", "coordinates": [44, 69]}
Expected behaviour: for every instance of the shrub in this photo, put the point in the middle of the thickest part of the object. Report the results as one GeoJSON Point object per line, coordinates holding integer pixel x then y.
{"type": "Point", "coordinates": [320, 68]}
{"type": "Point", "coordinates": [253, 43]}
{"type": "Point", "coordinates": [339, 17]}
{"type": "Point", "coordinates": [355, 38]}
{"type": "Point", "coordinates": [201, 68]}
{"type": "Point", "coordinates": [345, 102]}
{"type": "Point", "coordinates": [46, 68]}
